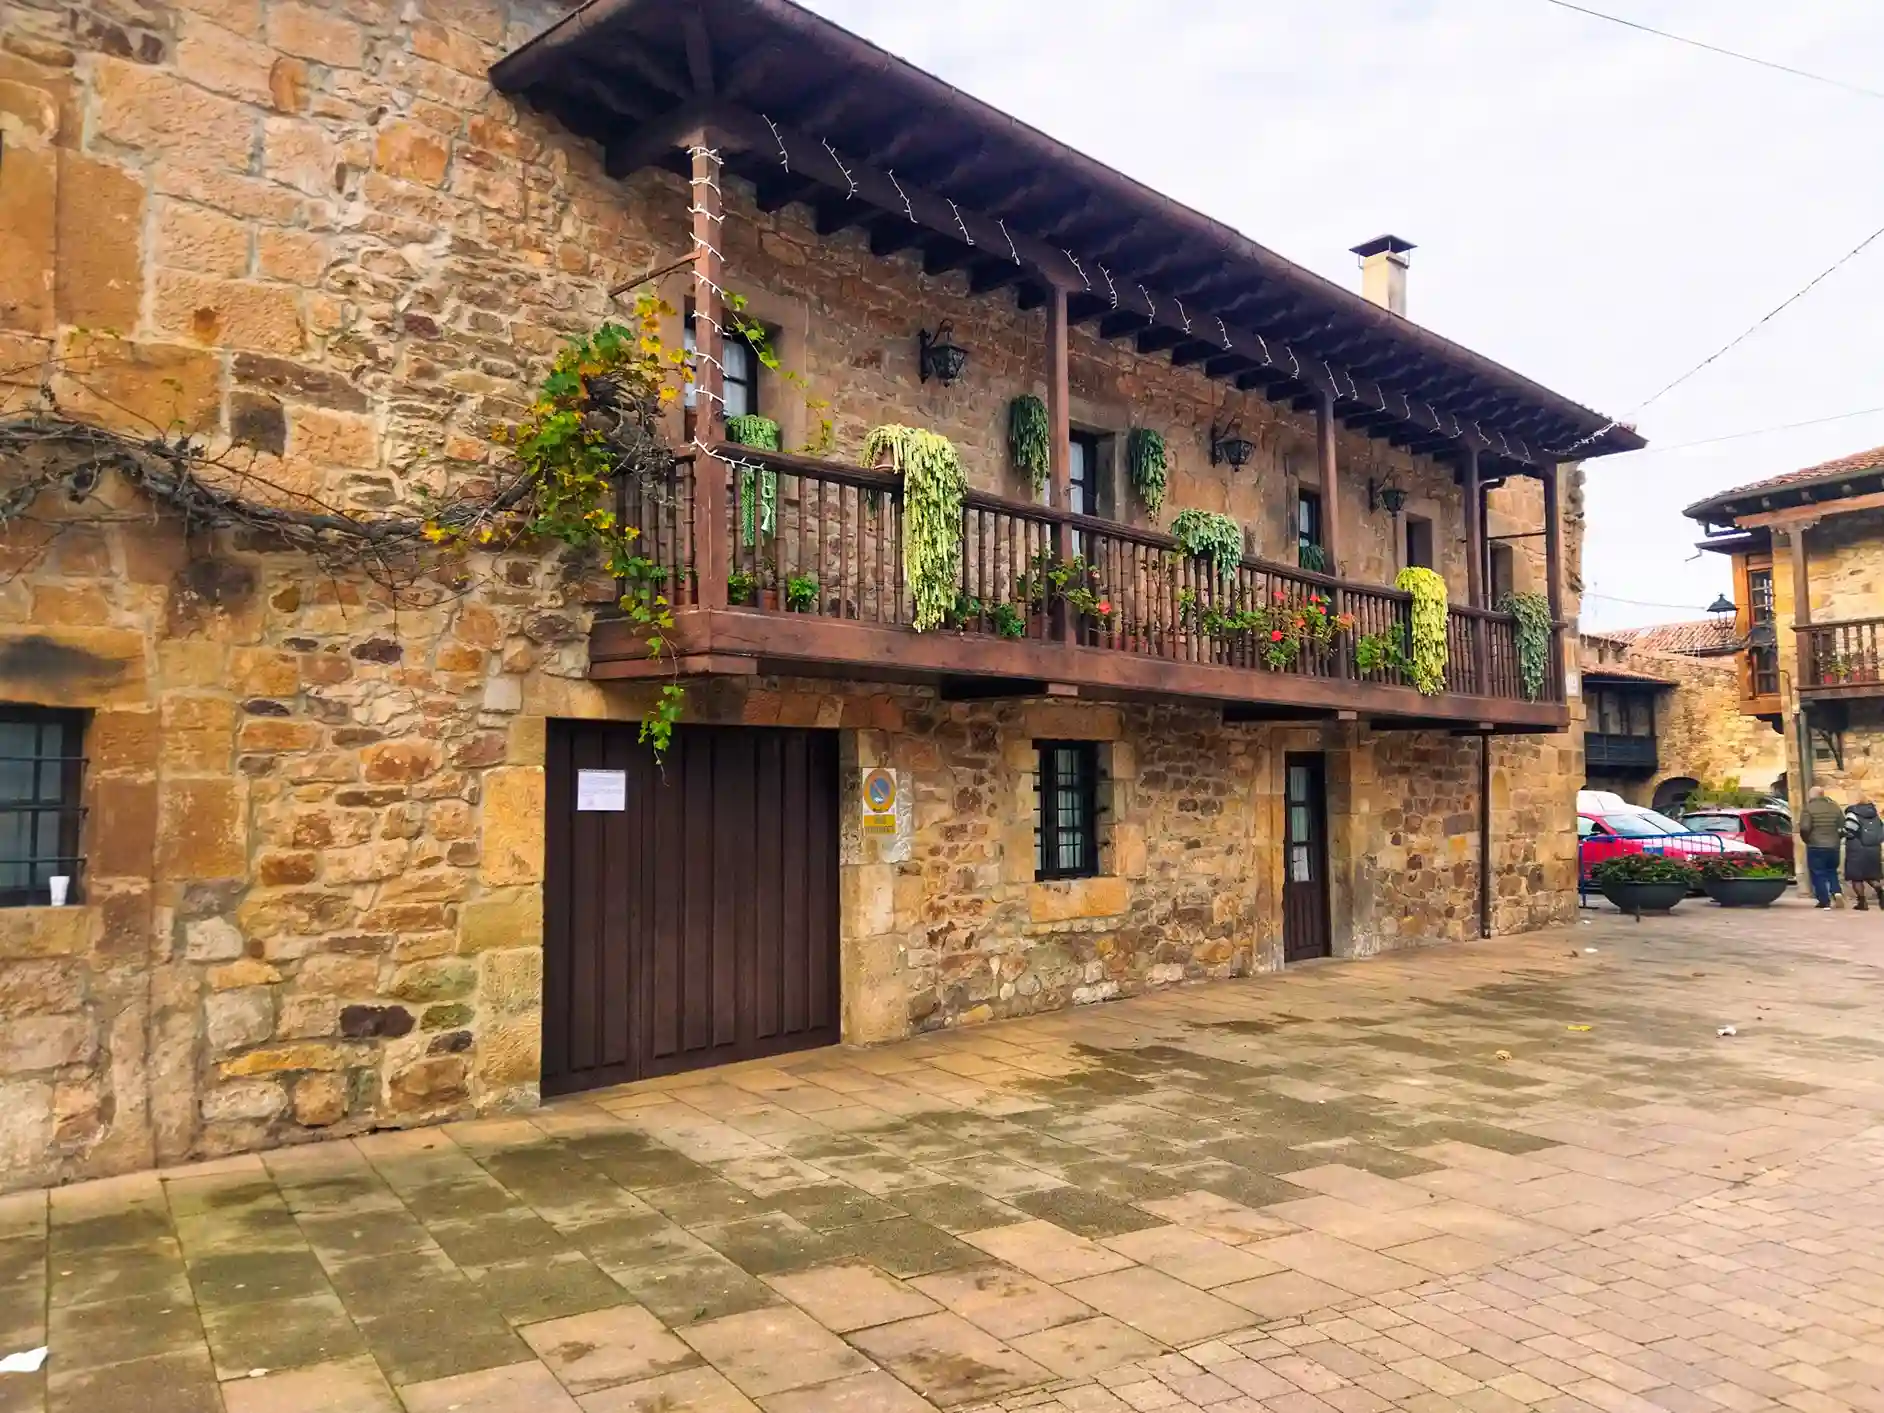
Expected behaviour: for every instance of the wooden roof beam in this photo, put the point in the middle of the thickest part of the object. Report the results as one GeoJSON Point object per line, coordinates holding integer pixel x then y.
{"type": "Point", "coordinates": [1158, 338]}
{"type": "Point", "coordinates": [733, 126]}
{"type": "Point", "coordinates": [941, 256]}
{"type": "Point", "coordinates": [990, 275]}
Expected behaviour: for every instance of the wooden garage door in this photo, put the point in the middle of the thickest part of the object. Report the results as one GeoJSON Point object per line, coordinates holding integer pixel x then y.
{"type": "Point", "coordinates": [697, 922]}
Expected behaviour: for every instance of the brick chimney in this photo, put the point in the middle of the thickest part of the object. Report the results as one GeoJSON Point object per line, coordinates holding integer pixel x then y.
{"type": "Point", "coordinates": [1383, 271]}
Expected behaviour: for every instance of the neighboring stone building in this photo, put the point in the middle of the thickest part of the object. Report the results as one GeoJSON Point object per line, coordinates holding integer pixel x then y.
{"type": "Point", "coordinates": [332, 846]}
{"type": "Point", "coordinates": [1660, 720]}
{"type": "Point", "coordinates": [1808, 553]}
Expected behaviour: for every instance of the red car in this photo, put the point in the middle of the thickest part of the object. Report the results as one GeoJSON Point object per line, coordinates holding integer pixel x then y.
{"type": "Point", "coordinates": [1634, 830]}
{"type": "Point", "coordinates": [1767, 830]}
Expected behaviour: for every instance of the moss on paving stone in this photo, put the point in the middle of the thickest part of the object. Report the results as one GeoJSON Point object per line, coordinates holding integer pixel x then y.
{"type": "Point", "coordinates": [695, 1288]}
{"type": "Point", "coordinates": [342, 1236]}
{"type": "Point", "coordinates": [953, 1207]}
{"type": "Point", "coordinates": [906, 1247]}
{"type": "Point", "coordinates": [713, 1200]}
{"type": "Point", "coordinates": [136, 1226]}
{"type": "Point", "coordinates": [1083, 1213]}
{"type": "Point", "coordinates": [179, 1383]}
{"type": "Point", "coordinates": [770, 1243]}
{"type": "Point", "coordinates": [114, 1330]}
{"type": "Point", "coordinates": [488, 1241]}
{"type": "Point", "coordinates": [280, 1334]}
{"type": "Point", "coordinates": [459, 1201]}
{"type": "Point", "coordinates": [118, 1273]}
{"type": "Point", "coordinates": [641, 1239]}
{"type": "Point", "coordinates": [828, 1205]}
{"type": "Point", "coordinates": [435, 1339]}
{"type": "Point", "coordinates": [524, 1292]}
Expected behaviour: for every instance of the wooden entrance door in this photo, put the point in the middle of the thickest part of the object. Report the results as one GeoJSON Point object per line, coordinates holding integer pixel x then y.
{"type": "Point", "coordinates": [690, 909]}
{"type": "Point", "coordinates": [1305, 928]}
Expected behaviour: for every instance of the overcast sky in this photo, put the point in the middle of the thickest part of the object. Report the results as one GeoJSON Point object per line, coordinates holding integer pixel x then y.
{"type": "Point", "coordinates": [1597, 208]}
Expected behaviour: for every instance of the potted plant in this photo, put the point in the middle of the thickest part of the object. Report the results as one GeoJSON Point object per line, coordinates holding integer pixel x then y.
{"type": "Point", "coordinates": [1733, 884]}
{"type": "Point", "coordinates": [1639, 883]}
{"type": "Point", "coordinates": [1008, 621]}
{"type": "Point", "coordinates": [801, 593]}
{"type": "Point", "coordinates": [739, 587]}
{"type": "Point", "coordinates": [753, 431]}
{"type": "Point", "coordinates": [1077, 584]}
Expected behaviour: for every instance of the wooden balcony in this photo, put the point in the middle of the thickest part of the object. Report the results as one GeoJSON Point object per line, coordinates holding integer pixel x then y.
{"type": "Point", "coordinates": [1614, 753]}
{"type": "Point", "coordinates": [1844, 658]}
{"type": "Point", "coordinates": [842, 526]}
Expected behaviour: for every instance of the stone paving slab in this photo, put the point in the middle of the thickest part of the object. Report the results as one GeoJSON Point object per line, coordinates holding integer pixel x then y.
{"type": "Point", "coordinates": [1517, 1175]}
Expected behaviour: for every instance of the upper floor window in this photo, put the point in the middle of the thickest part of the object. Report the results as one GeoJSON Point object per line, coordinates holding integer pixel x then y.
{"type": "Point", "coordinates": [739, 373]}
{"type": "Point", "coordinates": [1419, 542]}
{"type": "Point", "coordinates": [1617, 712]}
{"type": "Point", "coordinates": [1760, 595]}
{"type": "Point", "coordinates": [41, 762]}
{"type": "Point", "coordinates": [1502, 578]}
{"type": "Point", "coordinates": [1087, 467]}
{"type": "Point", "coordinates": [1067, 835]}
{"type": "Point", "coordinates": [1307, 521]}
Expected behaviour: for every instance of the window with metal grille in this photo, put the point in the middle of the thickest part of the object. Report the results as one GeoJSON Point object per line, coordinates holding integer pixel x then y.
{"type": "Point", "coordinates": [41, 765]}
{"type": "Point", "coordinates": [1067, 838]}
{"type": "Point", "coordinates": [739, 372]}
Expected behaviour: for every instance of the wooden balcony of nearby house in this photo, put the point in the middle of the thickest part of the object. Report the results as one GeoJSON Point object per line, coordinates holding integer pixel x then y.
{"type": "Point", "coordinates": [1612, 753]}
{"type": "Point", "coordinates": [1842, 659]}
{"type": "Point", "coordinates": [787, 564]}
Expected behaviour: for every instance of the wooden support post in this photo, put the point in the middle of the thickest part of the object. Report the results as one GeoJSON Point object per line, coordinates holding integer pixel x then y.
{"type": "Point", "coordinates": [712, 523]}
{"type": "Point", "coordinates": [1059, 439]}
{"type": "Point", "coordinates": [1553, 541]}
{"type": "Point", "coordinates": [1475, 565]}
{"type": "Point", "coordinates": [1330, 484]}
{"type": "Point", "coordinates": [1804, 649]}
{"type": "Point", "coordinates": [1553, 570]}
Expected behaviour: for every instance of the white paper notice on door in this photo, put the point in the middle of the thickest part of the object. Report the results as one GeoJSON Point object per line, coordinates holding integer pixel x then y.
{"type": "Point", "coordinates": [602, 790]}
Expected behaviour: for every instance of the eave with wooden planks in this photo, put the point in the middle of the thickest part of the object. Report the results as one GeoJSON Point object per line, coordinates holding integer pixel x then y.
{"type": "Point", "coordinates": [812, 115]}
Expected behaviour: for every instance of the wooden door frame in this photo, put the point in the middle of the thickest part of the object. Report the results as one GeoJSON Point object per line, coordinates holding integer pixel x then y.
{"type": "Point", "coordinates": [1317, 762]}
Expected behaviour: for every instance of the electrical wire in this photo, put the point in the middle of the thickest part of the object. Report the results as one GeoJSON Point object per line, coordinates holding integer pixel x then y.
{"type": "Point", "coordinates": [1569, 453]}
{"type": "Point", "coordinates": [1643, 603]}
{"type": "Point", "coordinates": [1716, 49]}
{"type": "Point", "coordinates": [1738, 436]}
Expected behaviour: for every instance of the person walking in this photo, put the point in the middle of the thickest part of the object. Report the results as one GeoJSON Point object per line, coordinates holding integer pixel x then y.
{"type": "Point", "coordinates": [1864, 851]}
{"type": "Point", "coordinates": [1821, 829]}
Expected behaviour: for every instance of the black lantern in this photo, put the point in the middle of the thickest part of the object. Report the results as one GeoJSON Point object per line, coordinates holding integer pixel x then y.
{"type": "Point", "coordinates": [937, 357]}
{"type": "Point", "coordinates": [1226, 445]}
{"type": "Point", "coordinates": [1722, 608]}
{"type": "Point", "coordinates": [1386, 495]}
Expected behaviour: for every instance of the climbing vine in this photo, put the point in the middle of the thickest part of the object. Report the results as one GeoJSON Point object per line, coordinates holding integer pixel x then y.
{"type": "Point", "coordinates": [1532, 611]}
{"type": "Point", "coordinates": [1145, 460]}
{"type": "Point", "coordinates": [1207, 535]}
{"type": "Point", "coordinates": [595, 419]}
{"type": "Point", "coordinates": [1430, 608]}
{"type": "Point", "coordinates": [1028, 439]}
{"type": "Point", "coordinates": [933, 485]}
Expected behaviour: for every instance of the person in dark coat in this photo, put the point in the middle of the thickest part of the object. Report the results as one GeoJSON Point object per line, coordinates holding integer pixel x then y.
{"type": "Point", "coordinates": [1864, 851]}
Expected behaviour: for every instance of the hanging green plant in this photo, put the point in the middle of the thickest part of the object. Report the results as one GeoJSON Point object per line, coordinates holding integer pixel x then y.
{"type": "Point", "coordinates": [752, 430]}
{"type": "Point", "coordinates": [1145, 460]}
{"type": "Point", "coordinates": [1428, 667]}
{"type": "Point", "coordinates": [1028, 440]}
{"type": "Point", "coordinates": [1205, 534]}
{"type": "Point", "coordinates": [1533, 614]}
{"type": "Point", "coordinates": [933, 485]}
{"type": "Point", "coordinates": [758, 503]}
{"type": "Point", "coordinates": [1312, 557]}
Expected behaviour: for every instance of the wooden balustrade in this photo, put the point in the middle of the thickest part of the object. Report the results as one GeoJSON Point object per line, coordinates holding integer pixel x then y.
{"type": "Point", "coordinates": [826, 540]}
{"type": "Point", "coordinates": [1849, 653]}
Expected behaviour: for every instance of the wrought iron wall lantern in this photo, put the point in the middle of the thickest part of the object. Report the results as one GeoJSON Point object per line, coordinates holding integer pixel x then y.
{"type": "Point", "coordinates": [1722, 609]}
{"type": "Point", "coordinates": [1226, 445]}
{"type": "Point", "coordinates": [938, 358]}
{"type": "Point", "coordinates": [1386, 495]}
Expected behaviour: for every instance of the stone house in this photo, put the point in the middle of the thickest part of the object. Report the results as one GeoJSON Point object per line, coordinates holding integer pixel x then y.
{"type": "Point", "coordinates": [1663, 714]}
{"type": "Point", "coordinates": [1808, 554]}
{"type": "Point", "coordinates": [343, 852]}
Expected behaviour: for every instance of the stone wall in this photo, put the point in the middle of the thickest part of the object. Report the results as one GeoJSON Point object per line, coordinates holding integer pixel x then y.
{"type": "Point", "coordinates": [306, 230]}
{"type": "Point", "coordinates": [1701, 732]}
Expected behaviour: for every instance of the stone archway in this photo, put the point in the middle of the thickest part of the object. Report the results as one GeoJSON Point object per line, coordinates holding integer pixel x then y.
{"type": "Point", "coordinates": [1672, 794]}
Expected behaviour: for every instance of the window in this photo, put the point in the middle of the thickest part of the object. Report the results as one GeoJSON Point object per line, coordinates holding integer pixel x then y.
{"type": "Point", "coordinates": [1307, 520]}
{"type": "Point", "coordinates": [1089, 468]}
{"type": "Point", "coordinates": [1067, 838]}
{"type": "Point", "coordinates": [40, 764]}
{"type": "Point", "coordinates": [1419, 542]}
{"type": "Point", "coordinates": [1713, 823]}
{"type": "Point", "coordinates": [739, 374]}
{"type": "Point", "coordinates": [1763, 656]}
{"type": "Point", "coordinates": [1501, 577]}
{"type": "Point", "coordinates": [1619, 712]}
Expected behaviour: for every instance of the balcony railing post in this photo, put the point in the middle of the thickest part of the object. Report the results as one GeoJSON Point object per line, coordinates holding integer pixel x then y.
{"type": "Point", "coordinates": [1059, 446]}
{"type": "Point", "coordinates": [712, 523]}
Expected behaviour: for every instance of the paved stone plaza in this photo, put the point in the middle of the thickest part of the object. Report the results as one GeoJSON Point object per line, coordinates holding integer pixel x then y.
{"type": "Point", "coordinates": [1517, 1174]}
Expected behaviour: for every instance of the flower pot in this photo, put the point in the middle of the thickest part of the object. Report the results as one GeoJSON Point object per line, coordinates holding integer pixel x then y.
{"type": "Point", "coordinates": [1644, 897]}
{"type": "Point", "coordinates": [1744, 892]}
{"type": "Point", "coordinates": [766, 599]}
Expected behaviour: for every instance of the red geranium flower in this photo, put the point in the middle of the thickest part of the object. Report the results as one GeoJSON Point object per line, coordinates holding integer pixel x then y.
{"type": "Point", "coordinates": [1275, 635]}
{"type": "Point", "coordinates": [1105, 607]}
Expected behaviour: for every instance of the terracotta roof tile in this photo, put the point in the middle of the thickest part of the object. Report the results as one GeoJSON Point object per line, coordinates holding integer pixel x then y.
{"type": "Point", "coordinates": [1858, 463]}
{"type": "Point", "coordinates": [1697, 637]}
